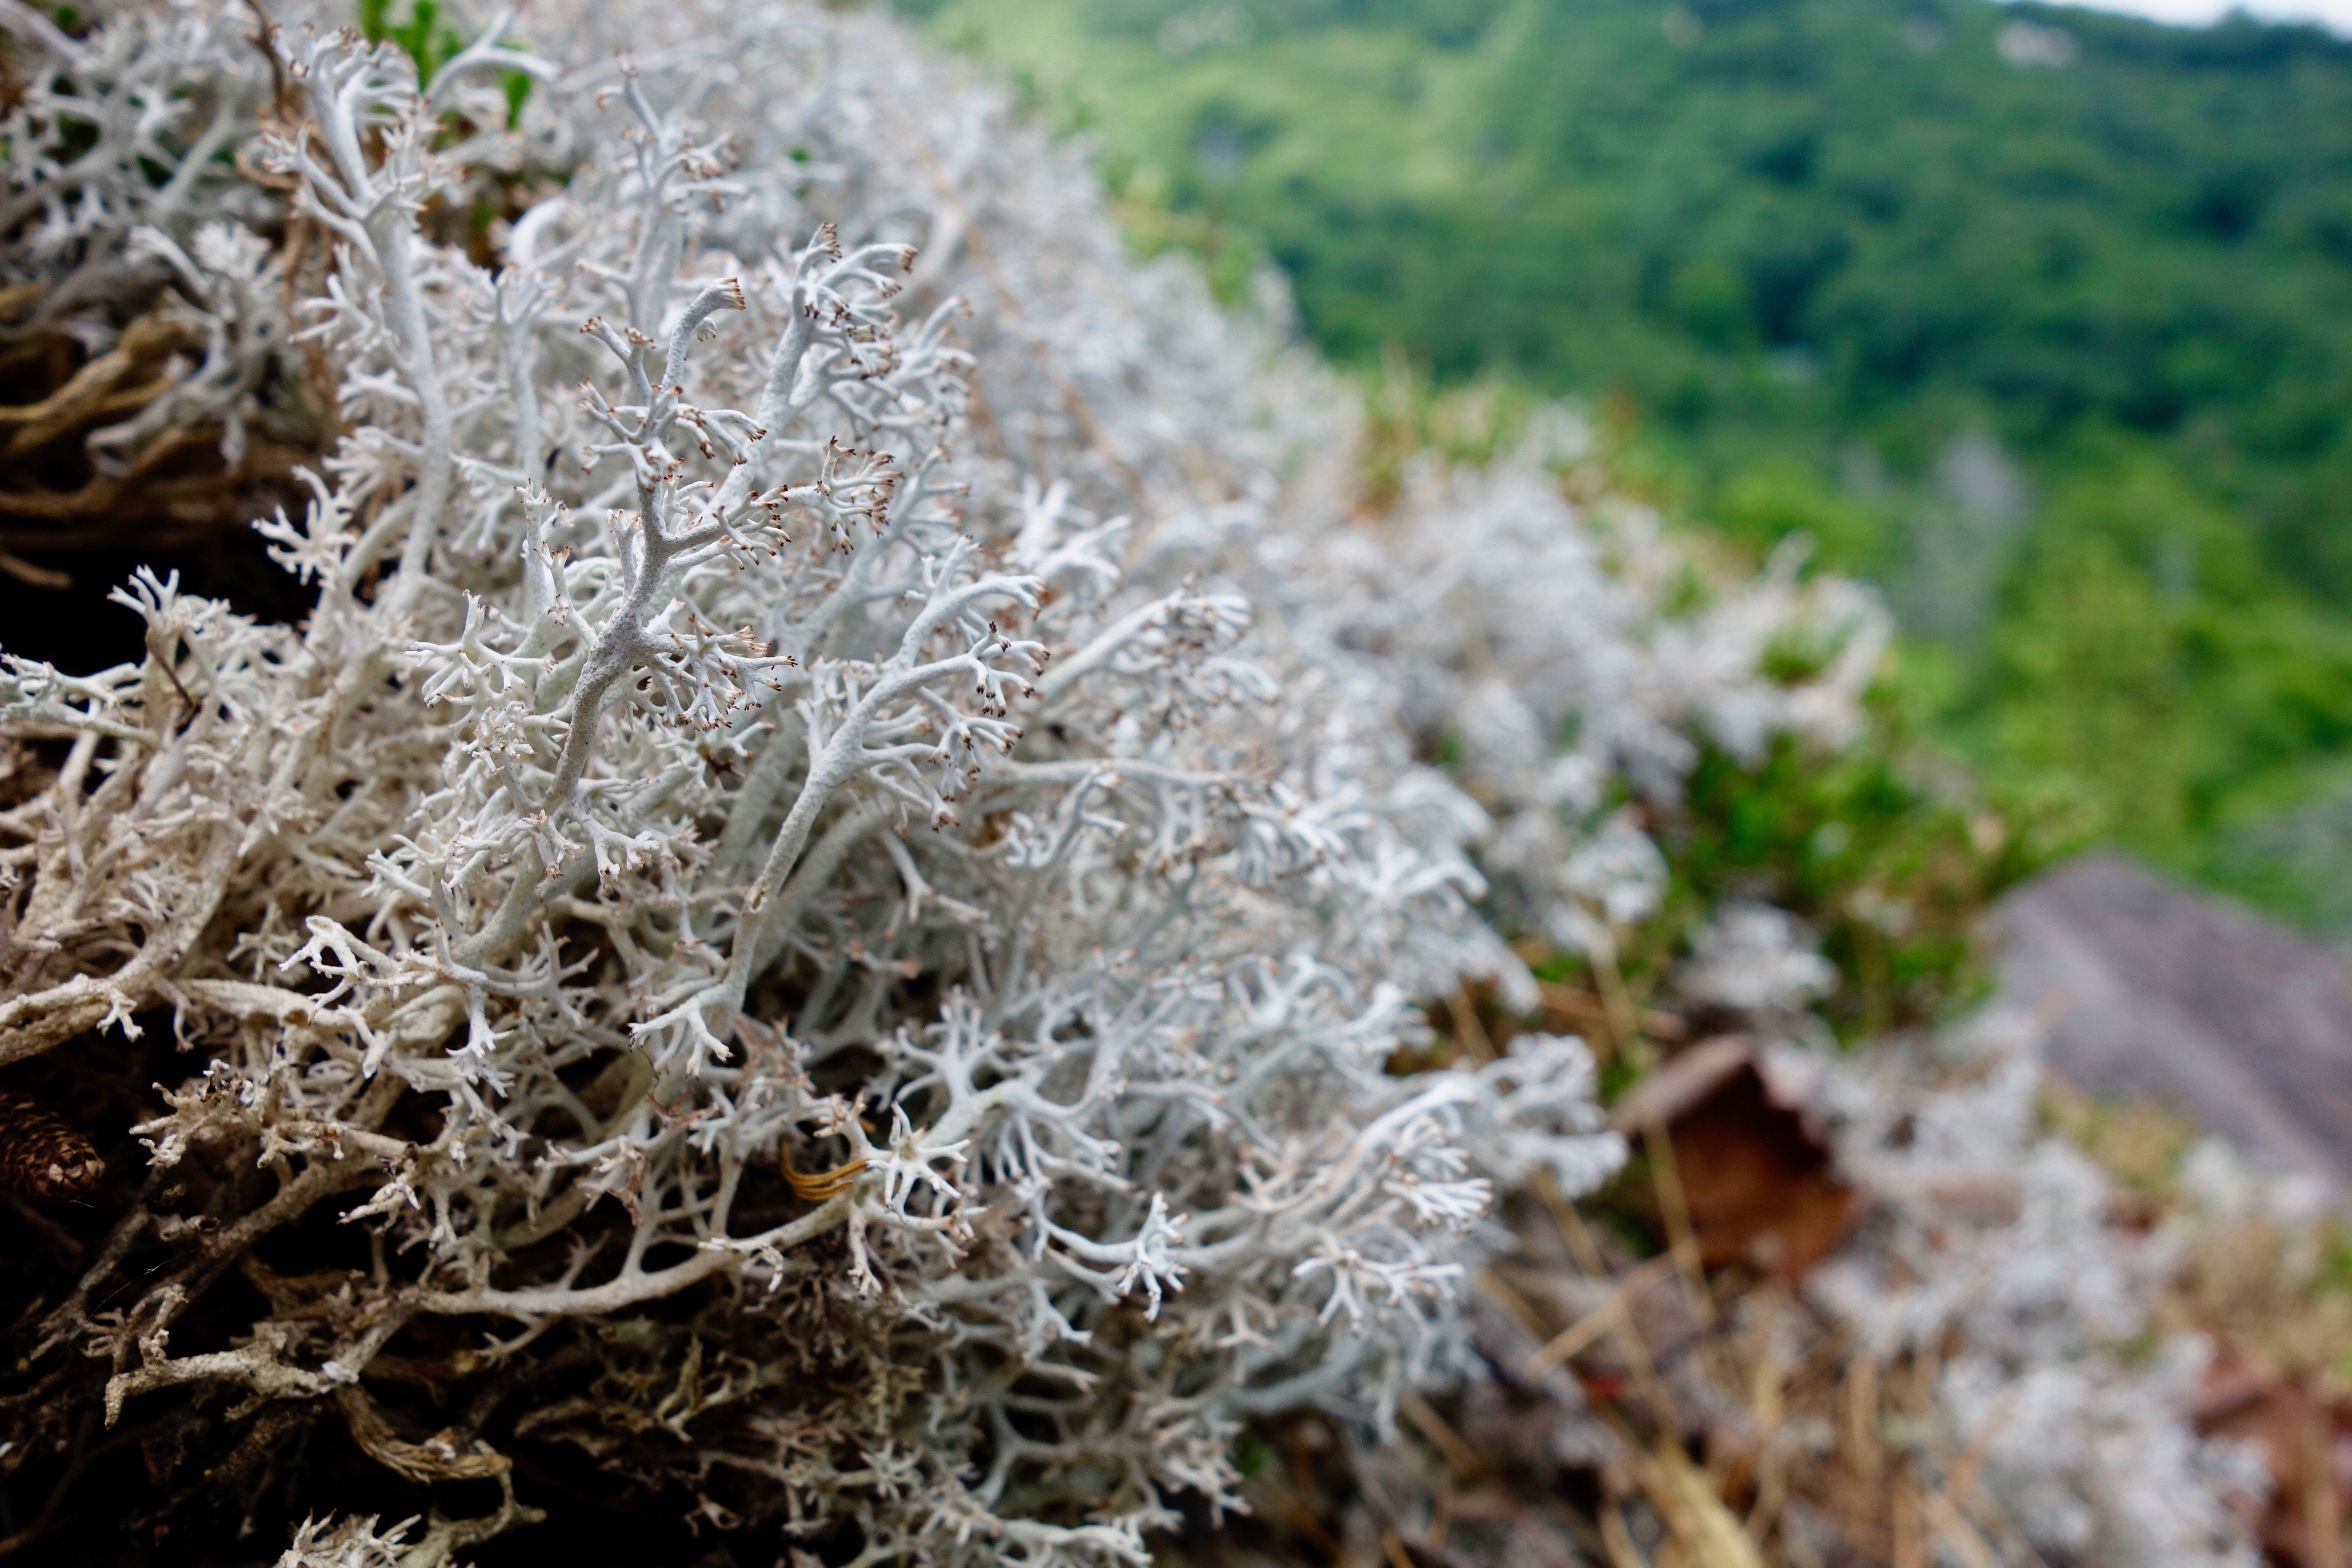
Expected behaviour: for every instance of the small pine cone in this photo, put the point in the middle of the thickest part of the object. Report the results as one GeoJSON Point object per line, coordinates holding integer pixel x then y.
{"type": "Point", "coordinates": [40, 1155]}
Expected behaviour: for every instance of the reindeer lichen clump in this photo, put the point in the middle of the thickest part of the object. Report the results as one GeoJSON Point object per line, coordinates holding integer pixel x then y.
{"type": "Point", "coordinates": [819, 915]}
{"type": "Point", "coordinates": [849, 991]}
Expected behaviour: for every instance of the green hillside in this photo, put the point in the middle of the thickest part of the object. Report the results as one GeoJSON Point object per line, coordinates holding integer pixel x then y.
{"type": "Point", "coordinates": [2041, 318]}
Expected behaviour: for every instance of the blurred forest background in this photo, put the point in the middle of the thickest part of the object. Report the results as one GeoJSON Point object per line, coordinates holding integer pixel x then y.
{"type": "Point", "coordinates": [2040, 319]}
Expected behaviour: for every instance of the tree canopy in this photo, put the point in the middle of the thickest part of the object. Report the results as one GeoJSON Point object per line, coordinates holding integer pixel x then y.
{"type": "Point", "coordinates": [2043, 317]}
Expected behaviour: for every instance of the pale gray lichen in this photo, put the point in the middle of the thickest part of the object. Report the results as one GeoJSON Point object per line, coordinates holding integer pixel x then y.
{"type": "Point", "coordinates": [832, 882]}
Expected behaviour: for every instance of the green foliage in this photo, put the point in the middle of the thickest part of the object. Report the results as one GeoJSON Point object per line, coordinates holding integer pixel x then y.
{"type": "Point", "coordinates": [517, 84]}
{"type": "Point", "coordinates": [1760, 506]}
{"type": "Point", "coordinates": [433, 44]}
{"type": "Point", "coordinates": [1894, 874]}
{"type": "Point", "coordinates": [428, 41]}
{"type": "Point", "coordinates": [1407, 413]}
{"type": "Point", "coordinates": [1796, 249]}
{"type": "Point", "coordinates": [2146, 655]}
{"type": "Point", "coordinates": [1893, 867]}
{"type": "Point", "coordinates": [1813, 212]}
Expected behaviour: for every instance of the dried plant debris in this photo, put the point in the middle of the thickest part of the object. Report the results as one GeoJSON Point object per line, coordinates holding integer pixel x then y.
{"type": "Point", "coordinates": [1744, 1159]}
{"type": "Point", "coordinates": [1967, 1378]}
{"type": "Point", "coordinates": [150, 392]}
{"type": "Point", "coordinates": [40, 1156]}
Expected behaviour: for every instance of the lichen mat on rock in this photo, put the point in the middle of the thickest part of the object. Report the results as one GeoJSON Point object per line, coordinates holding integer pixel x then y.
{"type": "Point", "coordinates": [784, 831]}
{"type": "Point", "coordinates": [822, 910]}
